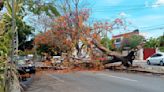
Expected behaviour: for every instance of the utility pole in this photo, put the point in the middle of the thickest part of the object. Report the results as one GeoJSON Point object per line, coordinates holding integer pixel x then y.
{"type": "Point", "coordinates": [106, 37]}
{"type": "Point", "coordinates": [14, 33]}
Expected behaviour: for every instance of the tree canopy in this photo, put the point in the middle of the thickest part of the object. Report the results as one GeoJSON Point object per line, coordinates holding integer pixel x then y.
{"type": "Point", "coordinates": [152, 43]}
{"type": "Point", "coordinates": [155, 43]}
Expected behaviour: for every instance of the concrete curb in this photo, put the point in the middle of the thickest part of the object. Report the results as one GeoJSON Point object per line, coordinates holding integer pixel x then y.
{"type": "Point", "coordinates": [146, 71]}
{"type": "Point", "coordinates": [153, 68]}
{"type": "Point", "coordinates": [25, 84]}
{"type": "Point", "coordinates": [137, 69]}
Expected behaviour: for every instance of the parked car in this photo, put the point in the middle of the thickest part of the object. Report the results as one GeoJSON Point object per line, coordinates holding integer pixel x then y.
{"type": "Point", "coordinates": [25, 67]}
{"type": "Point", "coordinates": [29, 67]}
{"type": "Point", "coordinates": [157, 58]}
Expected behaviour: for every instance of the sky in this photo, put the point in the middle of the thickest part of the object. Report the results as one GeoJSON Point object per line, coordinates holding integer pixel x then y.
{"type": "Point", "coordinates": [145, 15]}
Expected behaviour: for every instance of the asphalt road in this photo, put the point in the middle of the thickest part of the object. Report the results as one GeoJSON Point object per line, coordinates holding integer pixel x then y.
{"type": "Point", "coordinates": [98, 82]}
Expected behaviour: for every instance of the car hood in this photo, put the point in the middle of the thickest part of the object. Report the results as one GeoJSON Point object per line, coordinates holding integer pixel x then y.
{"type": "Point", "coordinates": [148, 58]}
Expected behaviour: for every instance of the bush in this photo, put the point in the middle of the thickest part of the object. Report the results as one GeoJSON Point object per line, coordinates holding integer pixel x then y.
{"type": "Point", "coordinates": [161, 49]}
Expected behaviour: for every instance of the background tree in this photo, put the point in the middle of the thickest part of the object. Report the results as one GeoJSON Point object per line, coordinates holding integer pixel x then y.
{"type": "Point", "coordinates": [132, 42]}
{"type": "Point", "coordinates": [25, 8]}
{"type": "Point", "coordinates": [51, 42]}
{"type": "Point", "coordinates": [161, 43]}
{"type": "Point", "coordinates": [152, 43]}
{"type": "Point", "coordinates": [106, 42]}
{"type": "Point", "coordinates": [38, 7]}
{"type": "Point", "coordinates": [155, 43]}
{"type": "Point", "coordinates": [40, 14]}
{"type": "Point", "coordinates": [24, 30]}
{"type": "Point", "coordinates": [161, 40]}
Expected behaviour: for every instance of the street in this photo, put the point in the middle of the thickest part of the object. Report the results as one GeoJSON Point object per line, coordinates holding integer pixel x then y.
{"type": "Point", "coordinates": [97, 82]}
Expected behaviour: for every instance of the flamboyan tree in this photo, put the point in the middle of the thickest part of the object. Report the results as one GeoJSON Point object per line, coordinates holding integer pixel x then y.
{"type": "Point", "coordinates": [51, 42]}
{"type": "Point", "coordinates": [63, 33]}
{"type": "Point", "coordinates": [81, 34]}
{"type": "Point", "coordinates": [72, 31]}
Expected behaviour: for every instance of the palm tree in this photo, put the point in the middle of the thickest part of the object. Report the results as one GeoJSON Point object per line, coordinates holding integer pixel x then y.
{"type": "Point", "coordinates": [9, 79]}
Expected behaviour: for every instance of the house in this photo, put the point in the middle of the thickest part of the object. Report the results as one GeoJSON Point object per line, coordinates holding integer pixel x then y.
{"type": "Point", "coordinates": [119, 38]}
{"type": "Point", "coordinates": [142, 54]}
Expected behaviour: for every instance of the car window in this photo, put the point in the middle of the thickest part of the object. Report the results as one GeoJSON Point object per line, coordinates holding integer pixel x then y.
{"type": "Point", "coordinates": [154, 55]}
{"type": "Point", "coordinates": [157, 55]}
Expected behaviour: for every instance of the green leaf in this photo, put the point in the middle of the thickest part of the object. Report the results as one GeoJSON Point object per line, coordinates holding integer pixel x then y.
{"type": "Point", "coordinates": [54, 10]}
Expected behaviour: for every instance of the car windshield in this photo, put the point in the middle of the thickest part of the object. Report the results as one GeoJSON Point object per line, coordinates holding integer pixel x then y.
{"type": "Point", "coordinates": [157, 55]}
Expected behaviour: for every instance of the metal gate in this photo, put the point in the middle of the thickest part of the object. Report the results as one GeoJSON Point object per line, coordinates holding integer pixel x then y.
{"type": "Point", "coordinates": [148, 52]}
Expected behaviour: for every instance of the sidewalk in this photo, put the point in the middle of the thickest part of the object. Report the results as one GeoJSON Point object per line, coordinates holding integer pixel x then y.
{"type": "Point", "coordinates": [154, 68]}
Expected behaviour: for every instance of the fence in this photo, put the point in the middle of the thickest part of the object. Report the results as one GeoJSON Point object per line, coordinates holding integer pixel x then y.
{"type": "Point", "coordinates": [148, 52]}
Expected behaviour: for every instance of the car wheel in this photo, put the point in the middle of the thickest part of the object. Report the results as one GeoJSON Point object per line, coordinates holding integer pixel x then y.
{"type": "Point", "coordinates": [148, 62]}
{"type": "Point", "coordinates": [161, 63]}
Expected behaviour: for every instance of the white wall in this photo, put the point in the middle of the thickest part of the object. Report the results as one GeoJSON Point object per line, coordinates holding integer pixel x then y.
{"type": "Point", "coordinates": [140, 54]}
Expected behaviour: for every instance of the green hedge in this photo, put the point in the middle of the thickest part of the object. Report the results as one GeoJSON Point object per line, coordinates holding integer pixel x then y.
{"type": "Point", "coordinates": [161, 49]}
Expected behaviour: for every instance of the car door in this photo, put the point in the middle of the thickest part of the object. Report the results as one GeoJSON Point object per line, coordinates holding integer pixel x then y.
{"type": "Point", "coordinates": [155, 59]}
{"type": "Point", "coordinates": [151, 59]}
{"type": "Point", "coordinates": [158, 58]}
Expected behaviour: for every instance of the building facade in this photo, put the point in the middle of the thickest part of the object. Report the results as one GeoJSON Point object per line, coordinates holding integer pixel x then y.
{"type": "Point", "coordinates": [119, 38]}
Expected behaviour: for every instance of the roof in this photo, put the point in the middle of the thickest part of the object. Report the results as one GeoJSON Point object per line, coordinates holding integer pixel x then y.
{"type": "Point", "coordinates": [127, 34]}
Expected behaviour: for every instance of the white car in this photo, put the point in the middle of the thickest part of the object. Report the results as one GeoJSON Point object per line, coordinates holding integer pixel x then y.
{"type": "Point", "coordinates": [157, 58]}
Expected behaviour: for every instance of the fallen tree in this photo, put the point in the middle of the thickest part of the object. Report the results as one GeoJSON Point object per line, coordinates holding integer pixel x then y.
{"type": "Point", "coordinates": [117, 57]}
{"type": "Point", "coordinates": [76, 34]}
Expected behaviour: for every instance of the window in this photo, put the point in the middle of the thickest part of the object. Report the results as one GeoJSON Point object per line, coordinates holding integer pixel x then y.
{"type": "Point", "coordinates": [118, 40]}
{"type": "Point", "coordinates": [154, 55]}
{"type": "Point", "coordinates": [157, 55]}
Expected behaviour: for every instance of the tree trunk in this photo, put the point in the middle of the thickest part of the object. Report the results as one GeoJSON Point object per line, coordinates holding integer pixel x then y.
{"type": "Point", "coordinates": [105, 50]}
{"type": "Point", "coordinates": [117, 57]}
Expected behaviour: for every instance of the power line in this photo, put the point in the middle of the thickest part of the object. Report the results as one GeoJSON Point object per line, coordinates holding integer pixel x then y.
{"type": "Point", "coordinates": [118, 10]}
{"type": "Point", "coordinates": [157, 28]}
{"type": "Point", "coordinates": [105, 9]}
{"type": "Point", "coordinates": [153, 26]}
{"type": "Point", "coordinates": [131, 6]}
